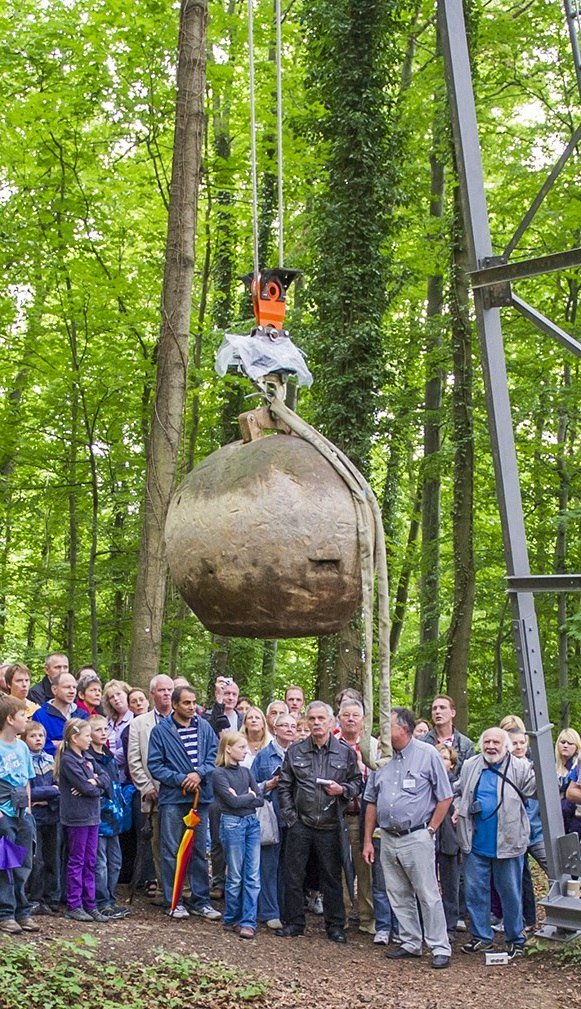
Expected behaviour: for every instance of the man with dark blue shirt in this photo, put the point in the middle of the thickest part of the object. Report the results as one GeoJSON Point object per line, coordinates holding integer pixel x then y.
{"type": "Point", "coordinates": [181, 757]}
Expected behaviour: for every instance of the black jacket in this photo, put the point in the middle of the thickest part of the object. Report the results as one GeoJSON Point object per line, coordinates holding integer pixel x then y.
{"type": "Point", "coordinates": [213, 713]}
{"type": "Point", "coordinates": [299, 795]}
{"type": "Point", "coordinates": [447, 838]}
{"type": "Point", "coordinates": [41, 692]}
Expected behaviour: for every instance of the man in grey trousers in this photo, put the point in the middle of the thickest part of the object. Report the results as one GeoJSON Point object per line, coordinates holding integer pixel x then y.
{"type": "Point", "coordinates": [409, 797]}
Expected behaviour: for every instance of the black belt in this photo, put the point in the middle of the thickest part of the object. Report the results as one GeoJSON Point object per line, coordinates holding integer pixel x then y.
{"type": "Point", "coordinates": [408, 830]}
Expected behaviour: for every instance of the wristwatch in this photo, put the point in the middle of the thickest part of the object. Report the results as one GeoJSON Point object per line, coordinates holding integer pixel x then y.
{"type": "Point", "coordinates": [432, 831]}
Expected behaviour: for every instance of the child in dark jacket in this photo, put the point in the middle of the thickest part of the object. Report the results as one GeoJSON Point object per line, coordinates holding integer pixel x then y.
{"type": "Point", "coordinates": [237, 797]}
{"type": "Point", "coordinates": [109, 847]}
{"type": "Point", "coordinates": [43, 882]}
{"type": "Point", "coordinates": [81, 787]}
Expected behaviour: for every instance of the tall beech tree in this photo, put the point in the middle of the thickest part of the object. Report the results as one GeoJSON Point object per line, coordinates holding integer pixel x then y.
{"type": "Point", "coordinates": [173, 346]}
{"type": "Point", "coordinates": [456, 662]}
{"type": "Point", "coordinates": [426, 681]}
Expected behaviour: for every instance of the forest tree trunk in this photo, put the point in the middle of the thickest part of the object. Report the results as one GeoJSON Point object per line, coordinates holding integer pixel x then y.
{"type": "Point", "coordinates": [458, 646]}
{"type": "Point", "coordinates": [426, 682]}
{"type": "Point", "coordinates": [355, 67]}
{"type": "Point", "coordinates": [172, 357]}
{"type": "Point", "coordinates": [403, 584]}
{"type": "Point", "coordinates": [561, 553]}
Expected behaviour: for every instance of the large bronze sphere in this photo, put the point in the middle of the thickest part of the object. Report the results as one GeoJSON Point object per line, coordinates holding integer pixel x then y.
{"type": "Point", "coordinates": [262, 541]}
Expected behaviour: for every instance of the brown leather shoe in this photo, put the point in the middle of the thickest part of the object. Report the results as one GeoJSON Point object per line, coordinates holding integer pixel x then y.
{"type": "Point", "coordinates": [246, 932]}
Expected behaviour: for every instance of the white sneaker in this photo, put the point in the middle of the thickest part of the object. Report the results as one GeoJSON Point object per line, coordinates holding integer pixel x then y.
{"type": "Point", "coordinates": [461, 925]}
{"type": "Point", "coordinates": [274, 923]}
{"type": "Point", "coordinates": [179, 912]}
{"type": "Point", "coordinates": [315, 905]}
{"type": "Point", "coordinates": [381, 938]}
{"type": "Point", "coordinates": [208, 912]}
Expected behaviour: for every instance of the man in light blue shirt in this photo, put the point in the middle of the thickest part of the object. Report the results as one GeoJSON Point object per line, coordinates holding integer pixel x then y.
{"type": "Point", "coordinates": [409, 797]}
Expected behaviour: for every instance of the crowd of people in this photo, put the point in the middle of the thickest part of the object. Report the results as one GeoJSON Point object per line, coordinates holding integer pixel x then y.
{"type": "Point", "coordinates": [289, 820]}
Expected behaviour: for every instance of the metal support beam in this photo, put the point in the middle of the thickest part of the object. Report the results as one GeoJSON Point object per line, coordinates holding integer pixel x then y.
{"type": "Point", "coordinates": [524, 623]}
{"type": "Point", "coordinates": [544, 583]}
{"type": "Point", "coordinates": [573, 15]}
{"type": "Point", "coordinates": [523, 268]}
{"type": "Point", "coordinates": [543, 191]}
{"type": "Point", "coordinates": [545, 325]}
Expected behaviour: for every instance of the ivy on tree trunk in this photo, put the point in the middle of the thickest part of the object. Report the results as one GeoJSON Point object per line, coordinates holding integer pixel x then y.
{"type": "Point", "coordinates": [353, 74]}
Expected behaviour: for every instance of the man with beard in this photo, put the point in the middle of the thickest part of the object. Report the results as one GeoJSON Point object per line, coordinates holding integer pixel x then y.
{"type": "Point", "coordinates": [493, 831]}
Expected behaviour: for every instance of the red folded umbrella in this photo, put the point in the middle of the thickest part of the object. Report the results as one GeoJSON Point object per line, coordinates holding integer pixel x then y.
{"type": "Point", "coordinates": [184, 851]}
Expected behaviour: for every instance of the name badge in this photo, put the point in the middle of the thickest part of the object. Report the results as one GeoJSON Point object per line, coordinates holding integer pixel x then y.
{"type": "Point", "coordinates": [409, 782]}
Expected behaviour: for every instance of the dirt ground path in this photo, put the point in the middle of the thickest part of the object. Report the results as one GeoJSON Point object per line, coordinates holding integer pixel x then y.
{"type": "Point", "coordinates": [338, 977]}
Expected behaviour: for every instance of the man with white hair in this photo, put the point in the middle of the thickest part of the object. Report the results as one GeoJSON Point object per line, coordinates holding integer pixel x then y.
{"type": "Point", "coordinates": [319, 777]}
{"type": "Point", "coordinates": [274, 709]}
{"type": "Point", "coordinates": [493, 831]}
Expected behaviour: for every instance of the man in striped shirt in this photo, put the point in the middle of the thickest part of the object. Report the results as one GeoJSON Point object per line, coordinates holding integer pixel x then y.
{"type": "Point", "coordinates": [181, 756]}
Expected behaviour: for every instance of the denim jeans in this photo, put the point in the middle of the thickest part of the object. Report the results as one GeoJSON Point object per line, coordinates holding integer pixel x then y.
{"type": "Point", "coordinates": [13, 901]}
{"type": "Point", "coordinates": [268, 906]}
{"type": "Point", "coordinates": [171, 829]}
{"type": "Point", "coordinates": [240, 837]}
{"type": "Point", "coordinates": [385, 920]}
{"type": "Point", "coordinates": [107, 870]}
{"type": "Point", "coordinates": [506, 874]}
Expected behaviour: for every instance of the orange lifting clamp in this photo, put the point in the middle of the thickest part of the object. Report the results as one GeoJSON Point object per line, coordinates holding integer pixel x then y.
{"type": "Point", "coordinates": [269, 295]}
